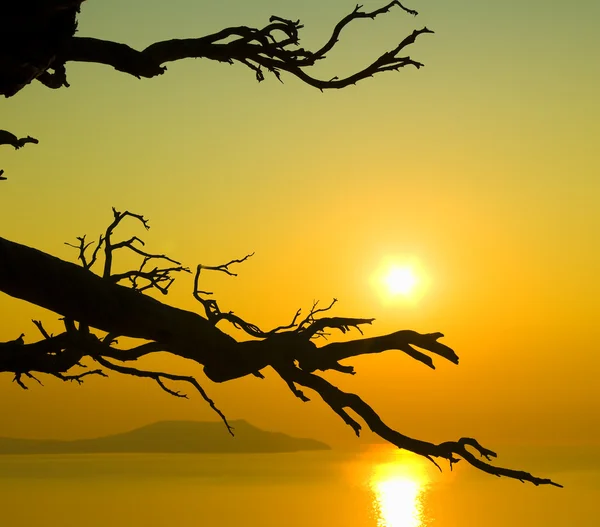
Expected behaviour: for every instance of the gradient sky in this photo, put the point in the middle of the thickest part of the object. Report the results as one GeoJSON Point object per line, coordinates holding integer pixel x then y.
{"type": "Point", "coordinates": [483, 166]}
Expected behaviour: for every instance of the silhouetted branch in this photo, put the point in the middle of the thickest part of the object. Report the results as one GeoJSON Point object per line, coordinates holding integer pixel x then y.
{"type": "Point", "coordinates": [157, 278]}
{"type": "Point", "coordinates": [158, 376]}
{"type": "Point", "coordinates": [211, 307]}
{"type": "Point", "coordinates": [8, 138]}
{"type": "Point", "coordinates": [274, 48]}
{"type": "Point", "coordinates": [37, 40]}
{"type": "Point", "coordinates": [343, 324]}
{"type": "Point", "coordinates": [310, 318]}
{"type": "Point", "coordinates": [131, 354]}
{"type": "Point", "coordinates": [82, 247]}
{"type": "Point", "coordinates": [356, 14]}
{"type": "Point", "coordinates": [78, 378]}
{"type": "Point", "coordinates": [98, 302]}
{"type": "Point", "coordinates": [401, 340]}
{"type": "Point", "coordinates": [291, 325]}
{"type": "Point", "coordinates": [38, 324]}
{"type": "Point", "coordinates": [339, 400]}
{"type": "Point", "coordinates": [108, 246]}
{"type": "Point", "coordinates": [309, 326]}
{"type": "Point", "coordinates": [17, 379]}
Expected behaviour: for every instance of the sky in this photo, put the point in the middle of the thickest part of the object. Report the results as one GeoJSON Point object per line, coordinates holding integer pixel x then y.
{"type": "Point", "coordinates": [480, 169]}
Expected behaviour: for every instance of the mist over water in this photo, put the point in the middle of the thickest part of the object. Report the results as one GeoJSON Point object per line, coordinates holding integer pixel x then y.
{"type": "Point", "coordinates": [381, 488]}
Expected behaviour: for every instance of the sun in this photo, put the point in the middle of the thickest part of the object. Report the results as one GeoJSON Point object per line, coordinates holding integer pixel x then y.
{"type": "Point", "coordinates": [401, 280]}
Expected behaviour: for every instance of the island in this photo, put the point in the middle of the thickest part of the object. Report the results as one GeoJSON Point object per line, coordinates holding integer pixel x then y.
{"type": "Point", "coordinates": [177, 437]}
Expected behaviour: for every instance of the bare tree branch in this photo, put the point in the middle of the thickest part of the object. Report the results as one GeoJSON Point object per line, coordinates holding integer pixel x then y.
{"type": "Point", "coordinates": [158, 376]}
{"type": "Point", "coordinates": [108, 246]}
{"type": "Point", "coordinates": [400, 340]}
{"type": "Point", "coordinates": [38, 324]}
{"type": "Point", "coordinates": [37, 41]}
{"type": "Point", "coordinates": [356, 14]}
{"type": "Point", "coordinates": [78, 378]}
{"type": "Point", "coordinates": [156, 278]}
{"type": "Point", "coordinates": [339, 400]}
{"type": "Point", "coordinates": [8, 138]}
{"type": "Point", "coordinates": [288, 349]}
{"type": "Point", "coordinates": [211, 308]}
{"type": "Point", "coordinates": [274, 48]}
{"type": "Point", "coordinates": [82, 247]}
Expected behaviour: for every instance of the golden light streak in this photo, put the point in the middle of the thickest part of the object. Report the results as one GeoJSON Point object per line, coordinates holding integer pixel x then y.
{"type": "Point", "coordinates": [398, 490]}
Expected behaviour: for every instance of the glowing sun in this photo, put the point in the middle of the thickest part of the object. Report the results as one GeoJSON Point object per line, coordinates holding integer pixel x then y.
{"type": "Point", "coordinates": [400, 281]}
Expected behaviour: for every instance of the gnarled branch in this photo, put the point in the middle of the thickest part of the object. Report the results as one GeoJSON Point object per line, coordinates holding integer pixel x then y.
{"type": "Point", "coordinates": [274, 48]}
{"type": "Point", "coordinates": [339, 401]}
{"type": "Point", "coordinates": [45, 41]}
{"type": "Point", "coordinates": [99, 303]}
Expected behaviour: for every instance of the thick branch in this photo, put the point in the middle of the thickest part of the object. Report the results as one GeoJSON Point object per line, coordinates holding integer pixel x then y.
{"type": "Point", "coordinates": [98, 303]}
{"type": "Point", "coordinates": [275, 48]}
{"type": "Point", "coordinates": [32, 33]}
{"type": "Point", "coordinates": [77, 294]}
{"type": "Point", "coordinates": [400, 340]}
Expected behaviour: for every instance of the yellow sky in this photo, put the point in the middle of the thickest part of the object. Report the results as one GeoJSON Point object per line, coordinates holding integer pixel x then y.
{"type": "Point", "coordinates": [482, 166]}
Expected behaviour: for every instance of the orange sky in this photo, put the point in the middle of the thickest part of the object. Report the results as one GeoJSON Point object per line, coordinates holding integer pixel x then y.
{"type": "Point", "coordinates": [482, 166]}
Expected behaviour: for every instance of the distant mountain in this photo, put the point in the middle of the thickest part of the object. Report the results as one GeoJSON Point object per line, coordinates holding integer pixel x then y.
{"type": "Point", "coordinates": [170, 437]}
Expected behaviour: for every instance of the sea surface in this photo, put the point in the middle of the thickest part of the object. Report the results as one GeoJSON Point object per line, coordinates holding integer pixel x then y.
{"type": "Point", "coordinates": [378, 487]}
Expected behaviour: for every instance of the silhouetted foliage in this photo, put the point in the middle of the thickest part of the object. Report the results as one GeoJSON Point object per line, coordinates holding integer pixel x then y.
{"type": "Point", "coordinates": [36, 43]}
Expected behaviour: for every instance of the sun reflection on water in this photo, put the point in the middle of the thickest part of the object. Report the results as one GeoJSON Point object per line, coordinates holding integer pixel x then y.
{"type": "Point", "coordinates": [398, 488]}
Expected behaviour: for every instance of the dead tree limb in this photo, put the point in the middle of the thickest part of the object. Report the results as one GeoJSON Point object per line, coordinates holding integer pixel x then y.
{"type": "Point", "coordinates": [43, 37]}
{"type": "Point", "coordinates": [37, 41]}
{"type": "Point", "coordinates": [8, 138]}
{"type": "Point", "coordinates": [88, 301]}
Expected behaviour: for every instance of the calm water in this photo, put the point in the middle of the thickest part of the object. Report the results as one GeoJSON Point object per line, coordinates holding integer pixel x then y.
{"type": "Point", "coordinates": [379, 488]}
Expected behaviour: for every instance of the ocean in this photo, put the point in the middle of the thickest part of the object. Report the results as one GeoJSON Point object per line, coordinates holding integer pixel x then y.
{"type": "Point", "coordinates": [378, 487]}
